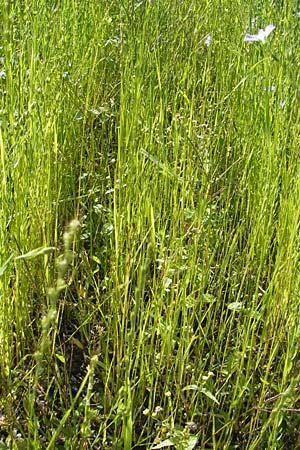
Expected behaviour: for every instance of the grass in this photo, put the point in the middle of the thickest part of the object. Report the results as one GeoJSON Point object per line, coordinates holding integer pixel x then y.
{"type": "Point", "coordinates": [149, 253]}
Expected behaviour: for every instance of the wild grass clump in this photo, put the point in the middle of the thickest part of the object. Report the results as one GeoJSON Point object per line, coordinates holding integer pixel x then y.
{"type": "Point", "coordinates": [149, 225]}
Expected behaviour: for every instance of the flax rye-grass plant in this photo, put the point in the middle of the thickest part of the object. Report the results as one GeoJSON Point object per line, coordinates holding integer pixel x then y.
{"type": "Point", "coordinates": [165, 315]}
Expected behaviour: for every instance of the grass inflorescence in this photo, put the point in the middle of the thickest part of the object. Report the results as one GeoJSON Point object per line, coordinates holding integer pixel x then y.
{"type": "Point", "coordinates": [149, 259]}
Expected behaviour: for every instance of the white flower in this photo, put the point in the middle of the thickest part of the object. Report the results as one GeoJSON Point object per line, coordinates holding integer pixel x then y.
{"type": "Point", "coordinates": [208, 40]}
{"type": "Point", "coordinates": [261, 35]}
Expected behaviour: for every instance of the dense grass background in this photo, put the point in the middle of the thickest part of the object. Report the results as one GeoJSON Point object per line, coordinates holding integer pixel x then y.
{"type": "Point", "coordinates": [167, 312]}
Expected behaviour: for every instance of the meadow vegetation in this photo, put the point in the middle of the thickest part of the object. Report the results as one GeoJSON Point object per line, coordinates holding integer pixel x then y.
{"type": "Point", "coordinates": [149, 225]}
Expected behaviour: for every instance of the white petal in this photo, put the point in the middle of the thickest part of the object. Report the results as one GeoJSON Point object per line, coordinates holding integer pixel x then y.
{"type": "Point", "coordinates": [251, 37]}
{"type": "Point", "coordinates": [269, 29]}
{"type": "Point", "coordinates": [261, 35]}
{"type": "Point", "coordinates": [208, 40]}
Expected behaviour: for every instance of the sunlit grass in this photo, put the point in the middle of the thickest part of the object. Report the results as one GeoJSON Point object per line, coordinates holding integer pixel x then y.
{"type": "Point", "coordinates": [171, 317]}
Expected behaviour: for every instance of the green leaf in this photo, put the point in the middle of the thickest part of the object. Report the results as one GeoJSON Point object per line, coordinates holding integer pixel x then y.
{"type": "Point", "coordinates": [194, 387]}
{"type": "Point", "coordinates": [96, 259]}
{"type": "Point", "coordinates": [191, 387]}
{"type": "Point", "coordinates": [208, 298]}
{"type": "Point", "coordinates": [60, 357]}
{"type": "Point", "coordinates": [191, 443]}
{"type": "Point", "coordinates": [168, 282]}
{"type": "Point", "coordinates": [77, 342]}
{"type": "Point", "coordinates": [166, 443]}
{"type": "Point", "coordinates": [37, 252]}
{"type": "Point", "coordinates": [209, 395]}
{"type": "Point", "coordinates": [4, 267]}
{"type": "Point", "coordinates": [235, 306]}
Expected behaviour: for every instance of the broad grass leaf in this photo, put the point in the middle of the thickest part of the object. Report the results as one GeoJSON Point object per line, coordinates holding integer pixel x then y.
{"type": "Point", "coordinates": [37, 252]}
